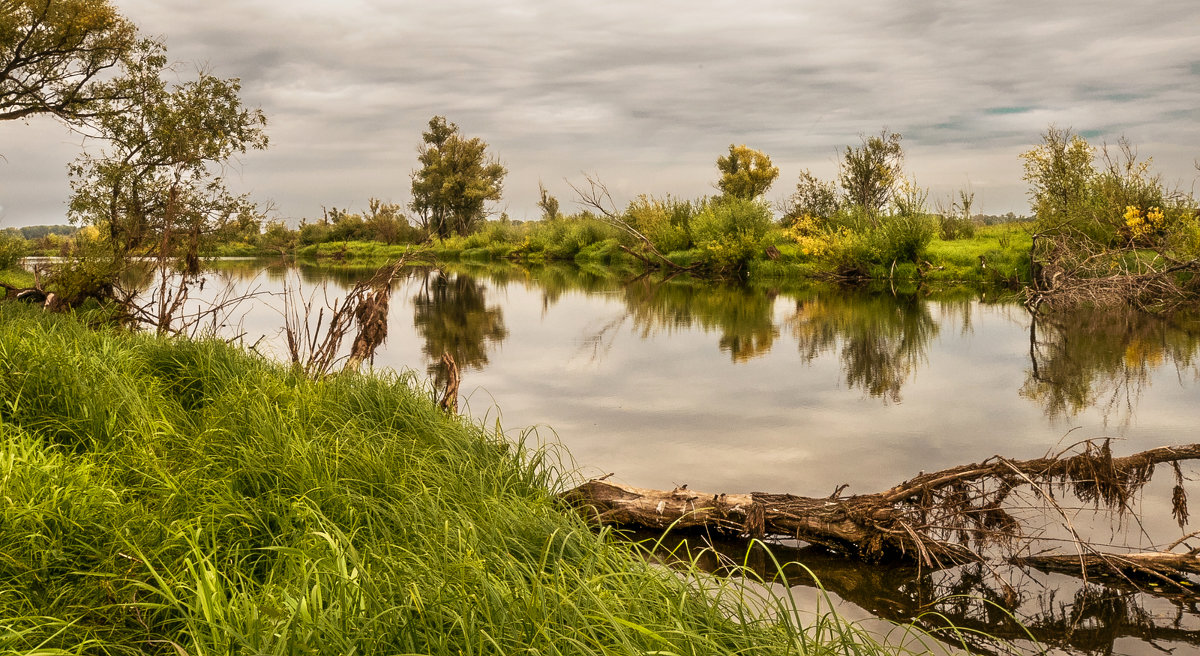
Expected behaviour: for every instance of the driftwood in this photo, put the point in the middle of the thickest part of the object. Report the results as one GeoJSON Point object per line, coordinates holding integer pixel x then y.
{"type": "Point", "coordinates": [938, 519]}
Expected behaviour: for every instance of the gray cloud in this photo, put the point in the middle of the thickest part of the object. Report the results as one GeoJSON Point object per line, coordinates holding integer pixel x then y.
{"type": "Point", "coordinates": [648, 94]}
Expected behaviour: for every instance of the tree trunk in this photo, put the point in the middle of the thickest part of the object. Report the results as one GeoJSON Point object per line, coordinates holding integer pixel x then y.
{"type": "Point", "coordinates": [863, 526]}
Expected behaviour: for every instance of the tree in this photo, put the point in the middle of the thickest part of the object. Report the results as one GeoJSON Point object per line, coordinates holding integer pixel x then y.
{"type": "Point", "coordinates": [1108, 236]}
{"type": "Point", "coordinates": [456, 180]}
{"type": "Point", "coordinates": [1060, 173]}
{"type": "Point", "coordinates": [386, 222]}
{"type": "Point", "coordinates": [547, 203]}
{"type": "Point", "coordinates": [813, 197]}
{"type": "Point", "coordinates": [869, 174]}
{"type": "Point", "coordinates": [157, 180]}
{"type": "Point", "coordinates": [54, 53]}
{"type": "Point", "coordinates": [745, 172]}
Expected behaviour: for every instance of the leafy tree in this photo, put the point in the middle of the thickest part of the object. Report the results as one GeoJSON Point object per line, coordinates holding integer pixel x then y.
{"type": "Point", "coordinates": [1060, 173]}
{"type": "Point", "coordinates": [870, 173]}
{"type": "Point", "coordinates": [156, 182]}
{"type": "Point", "coordinates": [54, 54]}
{"type": "Point", "coordinates": [456, 179]}
{"type": "Point", "coordinates": [39, 231]}
{"type": "Point", "coordinates": [666, 222]}
{"type": "Point", "coordinates": [745, 172]}
{"type": "Point", "coordinates": [813, 197]}
{"type": "Point", "coordinates": [729, 232]}
{"type": "Point", "coordinates": [278, 237]}
{"type": "Point", "coordinates": [547, 203]}
{"type": "Point", "coordinates": [386, 222]}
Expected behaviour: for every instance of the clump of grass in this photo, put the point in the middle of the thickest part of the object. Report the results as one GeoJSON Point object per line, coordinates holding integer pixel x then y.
{"type": "Point", "coordinates": [180, 497]}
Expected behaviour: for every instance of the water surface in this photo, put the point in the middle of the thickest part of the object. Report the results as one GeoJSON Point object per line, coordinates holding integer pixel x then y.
{"type": "Point", "coordinates": [794, 389]}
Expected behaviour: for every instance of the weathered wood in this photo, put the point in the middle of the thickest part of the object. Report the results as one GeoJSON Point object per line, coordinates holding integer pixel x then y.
{"type": "Point", "coordinates": [939, 519]}
{"type": "Point", "coordinates": [858, 525]}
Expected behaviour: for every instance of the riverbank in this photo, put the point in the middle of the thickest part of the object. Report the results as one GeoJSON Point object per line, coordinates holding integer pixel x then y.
{"type": "Point", "coordinates": [188, 497]}
{"type": "Point", "coordinates": [996, 256]}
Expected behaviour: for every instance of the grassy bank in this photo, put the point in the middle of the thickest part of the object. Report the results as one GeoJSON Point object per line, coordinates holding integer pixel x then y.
{"type": "Point", "coordinates": [188, 498]}
{"type": "Point", "coordinates": [996, 256]}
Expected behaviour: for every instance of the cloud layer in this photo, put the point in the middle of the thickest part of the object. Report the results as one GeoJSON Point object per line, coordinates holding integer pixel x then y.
{"type": "Point", "coordinates": [647, 95]}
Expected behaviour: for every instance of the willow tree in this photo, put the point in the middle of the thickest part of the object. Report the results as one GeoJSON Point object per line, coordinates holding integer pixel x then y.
{"type": "Point", "coordinates": [54, 55]}
{"type": "Point", "coordinates": [456, 180]}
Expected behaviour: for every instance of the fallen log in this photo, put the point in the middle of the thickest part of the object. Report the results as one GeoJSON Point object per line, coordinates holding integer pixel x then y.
{"type": "Point", "coordinates": [856, 525]}
{"type": "Point", "coordinates": [939, 519]}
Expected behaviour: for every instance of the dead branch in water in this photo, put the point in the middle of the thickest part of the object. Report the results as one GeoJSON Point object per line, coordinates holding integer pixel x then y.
{"type": "Point", "coordinates": [317, 348]}
{"type": "Point", "coordinates": [449, 400]}
{"type": "Point", "coordinates": [1071, 270]}
{"type": "Point", "coordinates": [938, 519]}
{"type": "Point", "coordinates": [597, 197]}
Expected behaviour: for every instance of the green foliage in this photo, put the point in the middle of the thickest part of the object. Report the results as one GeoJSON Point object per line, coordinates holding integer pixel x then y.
{"type": "Point", "coordinates": [957, 221]}
{"type": "Point", "coordinates": [456, 179]}
{"type": "Point", "coordinates": [547, 204]}
{"type": "Point", "coordinates": [745, 172]}
{"type": "Point", "coordinates": [278, 237]}
{"type": "Point", "coordinates": [314, 233]}
{"type": "Point", "coordinates": [54, 54]}
{"type": "Point", "coordinates": [869, 173]}
{"type": "Point", "coordinates": [813, 198]}
{"type": "Point", "coordinates": [37, 232]}
{"type": "Point", "coordinates": [1101, 221]}
{"type": "Point", "coordinates": [904, 237]}
{"type": "Point", "coordinates": [729, 231]}
{"type": "Point", "coordinates": [157, 182]}
{"type": "Point", "coordinates": [387, 223]}
{"type": "Point", "coordinates": [12, 249]}
{"type": "Point", "coordinates": [954, 226]}
{"type": "Point", "coordinates": [1061, 174]}
{"type": "Point", "coordinates": [666, 222]}
{"type": "Point", "coordinates": [90, 273]}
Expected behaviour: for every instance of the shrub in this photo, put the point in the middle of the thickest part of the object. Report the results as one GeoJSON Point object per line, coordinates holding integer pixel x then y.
{"type": "Point", "coordinates": [729, 232]}
{"type": "Point", "coordinates": [904, 237]}
{"type": "Point", "coordinates": [665, 222]}
{"type": "Point", "coordinates": [955, 227]}
{"type": "Point", "coordinates": [12, 249]}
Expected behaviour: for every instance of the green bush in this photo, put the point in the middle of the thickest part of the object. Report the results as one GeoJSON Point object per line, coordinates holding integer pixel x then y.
{"type": "Point", "coordinates": [665, 222]}
{"type": "Point", "coordinates": [904, 237]}
{"type": "Point", "coordinates": [12, 249]}
{"type": "Point", "coordinates": [955, 227]}
{"type": "Point", "coordinates": [730, 231]}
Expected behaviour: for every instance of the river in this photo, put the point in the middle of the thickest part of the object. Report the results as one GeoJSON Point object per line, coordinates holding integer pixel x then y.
{"type": "Point", "coordinates": [799, 389]}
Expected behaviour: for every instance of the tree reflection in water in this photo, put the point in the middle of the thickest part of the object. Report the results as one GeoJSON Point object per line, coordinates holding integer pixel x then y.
{"type": "Point", "coordinates": [881, 339]}
{"type": "Point", "coordinates": [451, 314]}
{"type": "Point", "coordinates": [742, 315]}
{"type": "Point", "coordinates": [1103, 358]}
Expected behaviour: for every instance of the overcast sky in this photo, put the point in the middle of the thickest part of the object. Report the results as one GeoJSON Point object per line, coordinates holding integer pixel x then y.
{"type": "Point", "coordinates": [648, 94]}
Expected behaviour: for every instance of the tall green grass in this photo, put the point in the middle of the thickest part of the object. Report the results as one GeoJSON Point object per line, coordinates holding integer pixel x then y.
{"type": "Point", "coordinates": [178, 497]}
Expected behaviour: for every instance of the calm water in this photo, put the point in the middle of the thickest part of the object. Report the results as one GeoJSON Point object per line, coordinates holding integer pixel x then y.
{"type": "Point", "coordinates": [731, 389]}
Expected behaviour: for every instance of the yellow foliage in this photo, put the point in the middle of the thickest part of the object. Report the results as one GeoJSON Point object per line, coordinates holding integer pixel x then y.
{"type": "Point", "coordinates": [1143, 226]}
{"type": "Point", "coordinates": [806, 232]}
